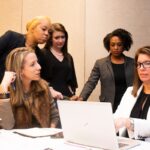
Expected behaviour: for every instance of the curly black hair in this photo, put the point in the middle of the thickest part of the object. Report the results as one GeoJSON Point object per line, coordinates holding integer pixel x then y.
{"type": "Point", "coordinates": [124, 35]}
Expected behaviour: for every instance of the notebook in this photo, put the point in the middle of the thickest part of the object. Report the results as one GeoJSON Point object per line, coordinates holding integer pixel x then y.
{"type": "Point", "coordinates": [91, 124]}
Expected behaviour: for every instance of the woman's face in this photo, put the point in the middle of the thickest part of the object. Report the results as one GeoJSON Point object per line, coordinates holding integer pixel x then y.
{"type": "Point", "coordinates": [143, 68]}
{"type": "Point", "coordinates": [116, 46]}
{"type": "Point", "coordinates": [41, 32]}
{"type": "Point", "coordinates": [58, 40]}
{"type": "Point", "coordinates": [31, 68]}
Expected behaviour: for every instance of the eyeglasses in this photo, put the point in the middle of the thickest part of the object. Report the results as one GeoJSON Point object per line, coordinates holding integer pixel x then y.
{"type": "Point", "coordinates": [145, 64]}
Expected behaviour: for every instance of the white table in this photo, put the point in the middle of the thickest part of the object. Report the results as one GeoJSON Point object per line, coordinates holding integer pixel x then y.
{"type": "Point", "coordinates": [13, 141]}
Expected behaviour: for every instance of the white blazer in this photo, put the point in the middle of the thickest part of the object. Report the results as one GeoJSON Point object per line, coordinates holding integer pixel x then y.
{"type": "Point", "coordinates": [141, 126]}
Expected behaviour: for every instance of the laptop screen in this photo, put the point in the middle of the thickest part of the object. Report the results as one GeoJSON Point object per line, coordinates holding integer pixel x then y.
{"type": "Point", "coordinates": [88, 123]}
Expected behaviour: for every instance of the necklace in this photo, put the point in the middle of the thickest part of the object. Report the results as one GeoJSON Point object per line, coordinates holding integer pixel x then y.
{"type": "Point", "coordinates": [56, 52]}
{"type": "Point", "coordinates": [58, 55]}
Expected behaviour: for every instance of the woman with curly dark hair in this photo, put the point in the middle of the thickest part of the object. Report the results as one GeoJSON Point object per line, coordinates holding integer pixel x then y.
{"type": "Point", "coordinates": [115, 71]}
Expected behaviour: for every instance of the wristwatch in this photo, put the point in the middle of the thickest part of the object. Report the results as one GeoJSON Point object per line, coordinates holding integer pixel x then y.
{"type": "Point", "coordinates": [131, 124]}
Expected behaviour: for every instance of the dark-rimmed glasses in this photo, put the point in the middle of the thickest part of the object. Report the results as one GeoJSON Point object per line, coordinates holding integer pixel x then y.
{"type": "Point", "coordinates": [145, 64]}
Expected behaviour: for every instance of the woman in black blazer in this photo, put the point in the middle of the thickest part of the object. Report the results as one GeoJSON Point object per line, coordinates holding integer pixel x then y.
{"type": "Point", "coordinates": [37, 33]}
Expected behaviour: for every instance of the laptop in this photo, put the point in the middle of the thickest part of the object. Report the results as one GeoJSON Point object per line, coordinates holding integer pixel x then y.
{"type": "Point", "coordinates": [91, 124]}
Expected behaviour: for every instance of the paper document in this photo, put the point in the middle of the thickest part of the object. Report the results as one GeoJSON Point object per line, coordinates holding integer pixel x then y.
{"type": "Point", "coordinates": [37, 132]}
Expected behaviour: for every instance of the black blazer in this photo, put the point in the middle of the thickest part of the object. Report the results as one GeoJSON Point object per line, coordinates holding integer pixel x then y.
{"type": "Point", "coordinates": [9, 41]}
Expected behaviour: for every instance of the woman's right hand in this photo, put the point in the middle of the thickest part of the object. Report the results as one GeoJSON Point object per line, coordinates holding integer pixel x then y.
{"type": "Point", "coordinates": [9, 77]}
{"type": "Point", "coordinates": [55, 94]}
{"type": "Point", "coordinates": [120, 123]}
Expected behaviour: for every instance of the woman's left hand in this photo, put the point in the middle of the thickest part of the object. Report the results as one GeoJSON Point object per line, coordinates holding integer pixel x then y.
{"type": "Point", "coordinates": [9, 77]}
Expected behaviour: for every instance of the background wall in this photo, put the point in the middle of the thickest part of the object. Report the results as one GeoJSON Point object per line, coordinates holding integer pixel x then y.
{"type": "Point", "coordinates": [87, 22]}
{"type": "Point", "coordinates": [11, 18]}
{"type": "Point", "coordinates": [102, 17]}
{"type": "Point", "coordinates": [16, 13]}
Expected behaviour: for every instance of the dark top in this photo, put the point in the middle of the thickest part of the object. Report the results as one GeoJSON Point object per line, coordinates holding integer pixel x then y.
{"type": "Point", "coordinates": [120, 83]}
{"type": "Point", "coordinates": [9, 41]}
{"type": "Point", "coordinates": [60, 74]}
{"type": "Point", "coordinates": [103, 72]}
{"type": "Point", "coordinates": [141, 106]}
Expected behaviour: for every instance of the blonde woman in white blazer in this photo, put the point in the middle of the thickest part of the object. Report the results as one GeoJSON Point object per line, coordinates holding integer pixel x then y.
{"type": "Point", "coordinates": [133, 113]}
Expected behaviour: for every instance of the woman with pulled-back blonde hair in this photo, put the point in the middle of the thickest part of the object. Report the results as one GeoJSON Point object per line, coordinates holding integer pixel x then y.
{"type": "Point", "coordinates": [37, 33]}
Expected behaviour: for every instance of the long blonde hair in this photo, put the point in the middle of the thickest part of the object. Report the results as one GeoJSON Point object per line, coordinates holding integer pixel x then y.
{"type": "Point", "coordinates": [15, 62]}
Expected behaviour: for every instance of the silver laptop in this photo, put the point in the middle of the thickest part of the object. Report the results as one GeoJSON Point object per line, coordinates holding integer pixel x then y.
{"type": "Point", "coordinates": [91, 124]}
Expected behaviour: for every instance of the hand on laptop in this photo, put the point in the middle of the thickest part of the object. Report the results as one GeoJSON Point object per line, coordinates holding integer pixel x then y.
{"type": "Point", "coordinates": [123, 122]}
{"type": "Point", "coordinates": [119, 123]}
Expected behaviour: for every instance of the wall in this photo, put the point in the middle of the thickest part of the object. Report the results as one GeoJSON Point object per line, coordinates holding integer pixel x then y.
{"type": "Point", "coordinates": [16, 13]}
{"type": "Point", "coordinates": [87, 22]}
{"type": "Point", "coordinates": [11, 18]}
{"type": "Point", "coordinates": [104, 16]}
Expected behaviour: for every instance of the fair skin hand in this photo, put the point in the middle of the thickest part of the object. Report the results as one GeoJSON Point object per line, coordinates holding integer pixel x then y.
{"type": "Point", "coordinates": [9, 77]}
{"type": "Point", "coordinates": [56, 94]}
{"type": "Point", "coordinates": [122, 122]}
{"type": "Point", "coordinates": [53, 125]}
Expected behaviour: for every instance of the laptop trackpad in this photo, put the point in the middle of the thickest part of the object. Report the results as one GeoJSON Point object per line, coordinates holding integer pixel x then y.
{"type": "Point", "coordinates": [126, 143]}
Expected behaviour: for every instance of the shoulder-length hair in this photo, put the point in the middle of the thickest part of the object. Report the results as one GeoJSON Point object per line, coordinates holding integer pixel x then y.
{"type": "Point", "coordinates": [137, 82]}
{"type": "Point", "coordinates": [60, 28]}
{"type": "Point", "coordinates": [123, 34]}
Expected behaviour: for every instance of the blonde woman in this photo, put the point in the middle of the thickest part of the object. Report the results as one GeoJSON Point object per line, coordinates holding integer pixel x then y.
{"type": "Point", "coordinates": [37, 33]}
{"type": "Point", "coordinates": [30, 98]}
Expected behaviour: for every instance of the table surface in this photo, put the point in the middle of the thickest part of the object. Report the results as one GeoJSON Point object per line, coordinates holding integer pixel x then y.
{"type": "Point", "coordinates": [10, 140]}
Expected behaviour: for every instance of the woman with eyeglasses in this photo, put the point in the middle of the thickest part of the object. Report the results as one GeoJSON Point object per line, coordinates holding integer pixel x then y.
{"type": "Point", "coordinates": [132, 118]}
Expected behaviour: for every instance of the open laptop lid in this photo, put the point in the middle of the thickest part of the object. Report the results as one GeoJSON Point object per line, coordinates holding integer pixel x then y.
{"type": "Point", "coordinates": [88, 123]}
